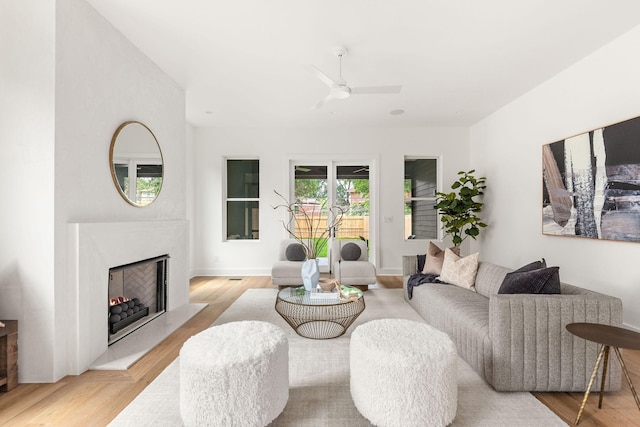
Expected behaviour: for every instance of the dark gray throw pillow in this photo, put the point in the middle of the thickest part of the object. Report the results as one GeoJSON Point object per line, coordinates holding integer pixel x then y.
{"type": "Point", "coordinates": [350, 252]}
{"type": "Point", "coordinates": [534, 281]}
{"type": "Point", "coordinates": [295, 252]}
{"type": "Point", "coordinates": [535, 265]}
{"type": "Point", "coordinates": [421, 260]}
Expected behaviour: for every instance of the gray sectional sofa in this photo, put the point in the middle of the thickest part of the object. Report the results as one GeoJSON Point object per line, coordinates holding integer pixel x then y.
{"type": "Point", "coordinates": [518, 342]}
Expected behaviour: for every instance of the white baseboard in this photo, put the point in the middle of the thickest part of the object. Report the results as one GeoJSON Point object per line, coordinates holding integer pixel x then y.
{"type": "Point", "coordinates": [235, 272]}
{"type": "Point", "coordinates": [389, 272]}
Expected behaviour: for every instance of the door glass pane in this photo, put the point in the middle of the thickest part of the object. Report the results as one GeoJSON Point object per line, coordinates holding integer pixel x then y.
{"type": "Point", "coordinates": [311, 194]}
{"type": "Point", "coordinates": [148, 183]}
{"type": "Point", "coordinates": [352, 194]}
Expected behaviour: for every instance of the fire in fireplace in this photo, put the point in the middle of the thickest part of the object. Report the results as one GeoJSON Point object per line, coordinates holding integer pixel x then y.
{"type": "Point", "coordinates": [124, 311]}
{"type": "Point", "coordinates": [137, 295]}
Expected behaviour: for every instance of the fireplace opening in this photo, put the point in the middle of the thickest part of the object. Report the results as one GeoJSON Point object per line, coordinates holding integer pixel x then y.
{"type": "Point", "coordinates": [137, 295]}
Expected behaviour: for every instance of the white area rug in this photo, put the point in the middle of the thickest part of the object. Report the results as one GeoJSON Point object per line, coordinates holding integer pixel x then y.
{"type": "Point", "coordinates": [319, 377]}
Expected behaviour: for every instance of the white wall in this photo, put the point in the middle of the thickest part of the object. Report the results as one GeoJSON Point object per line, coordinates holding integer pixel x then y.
{"type": "Point", "coordinates": [190, 183]}
{"type": "Point", "coordinates": [601, 89]}
{"type": "Point", "coordinates": [54, 159]}
{"type": "Point", "coordinates": [27, 49]}
{"type": "Point", "coordinates": [274, 147]}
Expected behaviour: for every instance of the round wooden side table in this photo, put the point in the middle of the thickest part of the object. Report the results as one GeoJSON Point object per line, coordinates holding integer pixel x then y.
{"type": "Point", "coordinates": [608, 336]}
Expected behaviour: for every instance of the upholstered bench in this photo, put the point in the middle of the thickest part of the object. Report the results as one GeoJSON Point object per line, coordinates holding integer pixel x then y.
{"type": "Point", "coordinates": [287, 271]}
{"type": "Point", "coordinates": [403, 373]}
{"type": "Point", "coordinates": [350, 263]}
{"type": "Point", "coordinates": [234, 374]}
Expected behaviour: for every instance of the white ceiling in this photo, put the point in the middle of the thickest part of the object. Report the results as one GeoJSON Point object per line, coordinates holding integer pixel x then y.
{"type": "Point", "coordinates": [244, 62]}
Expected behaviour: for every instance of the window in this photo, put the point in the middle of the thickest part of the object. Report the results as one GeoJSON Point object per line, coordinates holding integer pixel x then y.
{"type": "Point", "coordinates": [139, 180]}
{"type": "Point", "coordinates": [420, 186]}
{"type": "Point", "coordinates": [242, 199]}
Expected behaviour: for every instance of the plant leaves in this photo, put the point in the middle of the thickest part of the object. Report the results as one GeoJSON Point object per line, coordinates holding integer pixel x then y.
{"type": "Point", "coordinates": [458, 210]}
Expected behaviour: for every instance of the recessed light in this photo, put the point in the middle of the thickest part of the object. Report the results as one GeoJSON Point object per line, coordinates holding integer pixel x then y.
{"type": "Point", "coordinates": [396, 112]}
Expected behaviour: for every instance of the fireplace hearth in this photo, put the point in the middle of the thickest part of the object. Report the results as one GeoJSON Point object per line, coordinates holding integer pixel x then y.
{"type": "Point", "coordinates": [137, 295]}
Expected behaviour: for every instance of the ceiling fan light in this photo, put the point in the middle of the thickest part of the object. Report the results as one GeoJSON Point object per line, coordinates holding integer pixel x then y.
{"type": "Point", "coordinates": [341, 92]}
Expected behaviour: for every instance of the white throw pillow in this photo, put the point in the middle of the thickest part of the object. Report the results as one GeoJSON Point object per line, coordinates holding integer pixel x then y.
{"type": "Point", "coordinates": [459, 271]}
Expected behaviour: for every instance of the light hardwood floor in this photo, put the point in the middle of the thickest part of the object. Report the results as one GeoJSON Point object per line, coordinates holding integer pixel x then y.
{"type": "Point", "coordinates": [96, 397]}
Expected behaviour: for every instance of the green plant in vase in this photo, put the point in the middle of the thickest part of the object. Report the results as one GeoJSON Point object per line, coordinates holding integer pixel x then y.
{"type": "Point", "coordinates": [458, 209]}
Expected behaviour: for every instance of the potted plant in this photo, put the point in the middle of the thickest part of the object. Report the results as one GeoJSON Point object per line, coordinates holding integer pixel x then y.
{"type": "Point", "coordinates": [458, 210]}
{"type": "Point", "coordinates": [312, 235]}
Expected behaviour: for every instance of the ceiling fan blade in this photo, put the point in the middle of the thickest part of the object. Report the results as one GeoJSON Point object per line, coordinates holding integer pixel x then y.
{"type": "Point", "coordinates": [323, 77]}
{"type": "Point", "coordinates": [324, 101]}
{"type": "Point", "coordinates": [372, 90]}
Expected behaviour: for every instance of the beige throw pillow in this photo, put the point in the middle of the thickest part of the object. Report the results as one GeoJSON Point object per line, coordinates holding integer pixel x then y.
{"type": "Point", "coordinates": [435, 258]}
{"type": "Point", "coordinates": [459, 271]}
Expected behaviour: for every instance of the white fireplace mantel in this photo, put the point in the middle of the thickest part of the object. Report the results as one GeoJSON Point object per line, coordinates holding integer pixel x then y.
{"type": "Point", "coordinates": [96, 247]}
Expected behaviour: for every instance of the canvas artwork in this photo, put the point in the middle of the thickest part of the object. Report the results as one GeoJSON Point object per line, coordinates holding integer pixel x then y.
{"type": "Point", "coordinates": [591, 184]}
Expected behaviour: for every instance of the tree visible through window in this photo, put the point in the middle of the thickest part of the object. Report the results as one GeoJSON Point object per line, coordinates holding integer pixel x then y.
{"type": "Point", "coordinates": [420, 186]}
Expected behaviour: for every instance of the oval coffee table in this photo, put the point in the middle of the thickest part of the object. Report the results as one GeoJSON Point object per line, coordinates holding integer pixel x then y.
{"type": "Point", "coordinates": [317, 316]}
{"type": "Point", "coordinates": [608, 336]}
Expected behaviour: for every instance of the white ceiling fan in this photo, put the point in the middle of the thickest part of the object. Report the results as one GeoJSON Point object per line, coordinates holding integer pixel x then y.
{"type": "Point", "coordinates": [340, 90]}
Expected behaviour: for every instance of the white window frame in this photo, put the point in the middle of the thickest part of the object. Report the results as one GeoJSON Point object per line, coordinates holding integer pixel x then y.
{"type": "Point", "coordinates": [226, 199]}
{"type": "Point", "coordinates": [430, 198]}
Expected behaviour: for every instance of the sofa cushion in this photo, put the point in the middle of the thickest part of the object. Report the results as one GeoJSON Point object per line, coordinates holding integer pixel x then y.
{"type": "Point", "coordinates": [355, 272]}
{"type": "Point", "coordinates": [287, 269]}
{"type": "Point", "coordinates": [459, 271]}
{"type": "Point", "coordinates": [350, 252]}
{"type": "Point", "coordinates": [532, 281]}
{"type": "Point", "coordinates": [463, 315]}
{"type": "Point", "coordinates": [295, 252]}
{"type": "Point", "coordinates": [489, 278]}
{"type": "Point", "coordinates": [435, 258]}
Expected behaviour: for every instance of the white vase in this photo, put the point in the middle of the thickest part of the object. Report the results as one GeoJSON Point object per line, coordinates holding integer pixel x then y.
{"type": "Point", "coordinates": [310, 274]}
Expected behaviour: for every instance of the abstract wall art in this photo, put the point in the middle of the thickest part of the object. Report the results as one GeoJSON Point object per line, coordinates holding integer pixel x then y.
{"type": "Point", "coordinates": [591, 184]}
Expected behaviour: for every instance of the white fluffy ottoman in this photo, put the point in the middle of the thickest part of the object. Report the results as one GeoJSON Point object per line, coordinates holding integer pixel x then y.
{"type": "Point", "coordinates": [403, 373]}
{"type": "Point", "coordinates": [235, 374]}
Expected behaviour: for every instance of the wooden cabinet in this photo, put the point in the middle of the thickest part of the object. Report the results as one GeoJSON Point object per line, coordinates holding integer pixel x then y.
{"type": "Point", "coordinates": [8, 355]}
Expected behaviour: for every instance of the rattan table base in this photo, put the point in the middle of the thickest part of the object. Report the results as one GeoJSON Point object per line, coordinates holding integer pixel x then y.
{"type": "Point", "coordinates": [317, 318]}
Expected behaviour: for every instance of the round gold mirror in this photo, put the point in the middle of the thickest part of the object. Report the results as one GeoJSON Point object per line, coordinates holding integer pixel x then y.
{"type": "Point", "coordinates": [136, 163]}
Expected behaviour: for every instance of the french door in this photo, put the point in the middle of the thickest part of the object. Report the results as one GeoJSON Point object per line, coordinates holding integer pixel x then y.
{"type": "Point", "coordinates": [320, 185]}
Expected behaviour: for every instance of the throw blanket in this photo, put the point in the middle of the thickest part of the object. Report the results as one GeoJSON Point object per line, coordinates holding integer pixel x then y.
{"type": "Point", "coordinates": [418, 279]}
